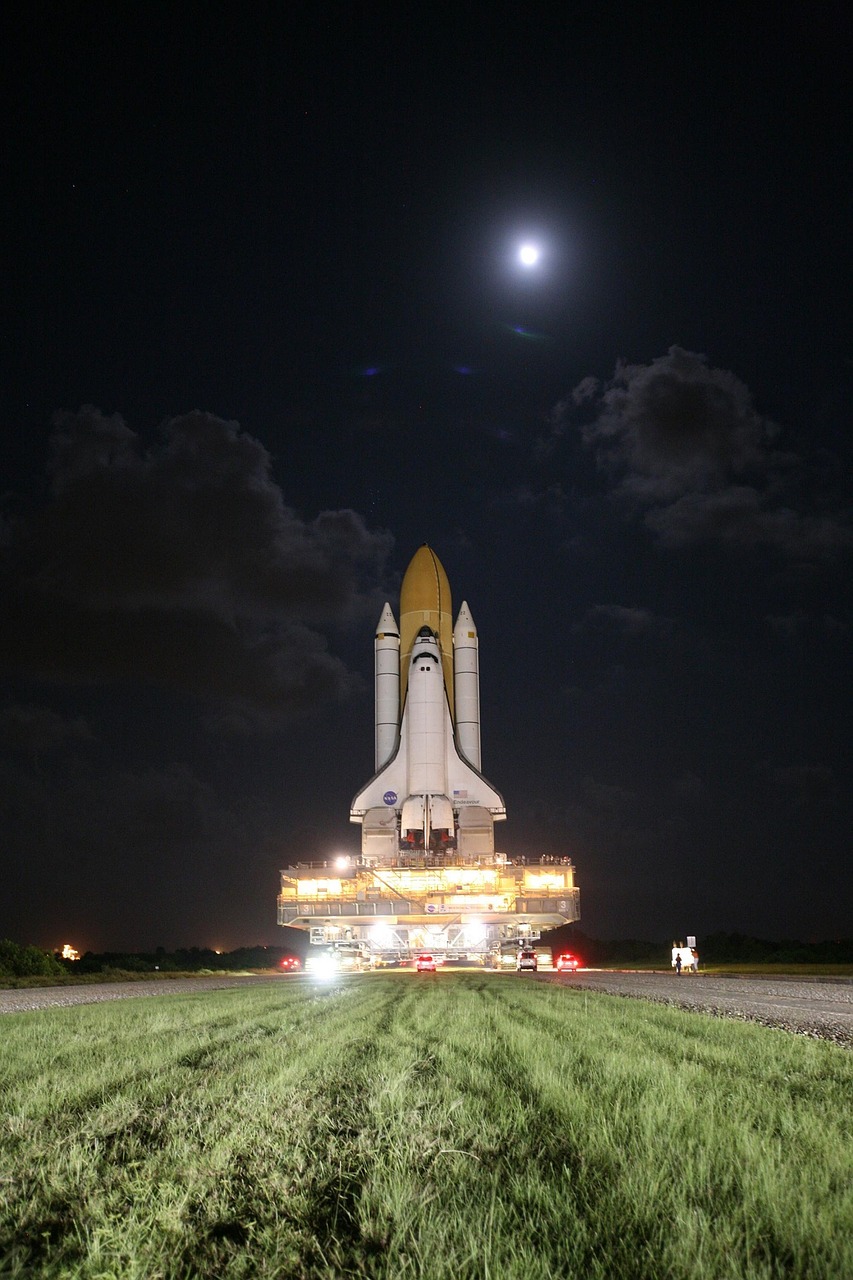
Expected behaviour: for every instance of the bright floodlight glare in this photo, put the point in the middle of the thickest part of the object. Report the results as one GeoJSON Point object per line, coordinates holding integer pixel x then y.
{"type": "Point", "coordinates": [322, 966]}
{"type": "Point", "coordinates": [528, 255]}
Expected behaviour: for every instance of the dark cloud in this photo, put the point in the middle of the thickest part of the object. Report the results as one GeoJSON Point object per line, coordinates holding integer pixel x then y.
{"type": "Point", "coordinates": [623, 620]}
{"type": "Point", "coordinates": [682, 444]}
{"type": "Point", "coordinates": [115, 856]}
{"type": "Point", "coordinates": [795, 625]}
{"type": "Point", "coordinates": [691, 789]}
{"type": "Point", "coordinates": [182, 565]}
{"type": "Point", "coordinates": [33, 730]}
{"type": "Point", "coordinates": [5, 529]}
{"type": "Point", "coordinates": [607, 798]}
{"type": "Point", "coordinates": [549, 501]}
{"type": "Point", "coordinates": [607, 815]}
{"type": "Point", "coordinates": [805, 785]}
{"type": "Point", "coordinates": [739, 516]}
{"type": "Point", "coordinates": [675, 426]}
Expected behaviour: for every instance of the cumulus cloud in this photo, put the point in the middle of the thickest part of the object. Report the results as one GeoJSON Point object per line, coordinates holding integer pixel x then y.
{"type": "Point", "coordinates": [740, 516]}
{"type": "Point", "coordinates": [183, 565]}
{"type": "Point", "coordinates": [675, 425]}
{"type": "Point", "coordinates": [682, 443]}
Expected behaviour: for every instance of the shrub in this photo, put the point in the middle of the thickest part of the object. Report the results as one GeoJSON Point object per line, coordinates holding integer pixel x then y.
{"type": "Point", "coordinates": [27, 962]}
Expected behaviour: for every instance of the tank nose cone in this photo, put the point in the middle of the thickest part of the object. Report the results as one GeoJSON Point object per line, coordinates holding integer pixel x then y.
{"type": "Point", "coordinates": [425, 602]}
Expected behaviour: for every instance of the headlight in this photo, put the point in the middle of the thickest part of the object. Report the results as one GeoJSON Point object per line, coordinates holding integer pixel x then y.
{"type": "Point", "coordinates": [322, 966]}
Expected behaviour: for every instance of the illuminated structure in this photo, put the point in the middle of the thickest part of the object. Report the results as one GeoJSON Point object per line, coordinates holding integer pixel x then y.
{"type": "Point", "coordinates": [428, 877]}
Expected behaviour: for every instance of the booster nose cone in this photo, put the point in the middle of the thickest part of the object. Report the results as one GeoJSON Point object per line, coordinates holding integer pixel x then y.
{"type": "Point", "coordinates": [387, 623]}
{"type": "Point", "coordinates": [464, 628]}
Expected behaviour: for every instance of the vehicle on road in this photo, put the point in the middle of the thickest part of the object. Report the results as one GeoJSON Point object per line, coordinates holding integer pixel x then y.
{"type": "Point", "coordinates": [567, 963]}
{"type": "Point", "coordinates": [425, 964]}
{"type": "Point", "coordinates": [290, 964]}
{"type": "Point", "coordinates": [526, 960]}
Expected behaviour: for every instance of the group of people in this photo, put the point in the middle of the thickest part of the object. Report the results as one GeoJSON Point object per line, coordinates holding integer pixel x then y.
{"type": "Point", "coordinates": [686, 958]}
{"type": "Point", "coordinates": [550, 858]}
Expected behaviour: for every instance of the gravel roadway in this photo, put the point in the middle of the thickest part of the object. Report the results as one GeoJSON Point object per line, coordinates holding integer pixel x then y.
{"type": "Point", "coordinates": [820, 1009]}
{"type": "Point", "coordinates": [29, 998]}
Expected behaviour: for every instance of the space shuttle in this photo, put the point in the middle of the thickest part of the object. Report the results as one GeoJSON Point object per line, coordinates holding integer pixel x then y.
{"type": "Point", "coordinates": [427, 796]}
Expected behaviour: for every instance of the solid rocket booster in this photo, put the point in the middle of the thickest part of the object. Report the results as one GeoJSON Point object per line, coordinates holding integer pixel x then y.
{"type": "Point", "coordinates": [466, 672]}
{"type": "Point", "coordinates": [427, 791]}
{"type": "Point", "coordinates": [387, 687]}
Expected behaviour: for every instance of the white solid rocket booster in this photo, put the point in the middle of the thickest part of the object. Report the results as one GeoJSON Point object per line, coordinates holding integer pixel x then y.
{"type": "Point", "coordinates": [466, 678]}
{"type": "Point", "coordinates": [387, 687]}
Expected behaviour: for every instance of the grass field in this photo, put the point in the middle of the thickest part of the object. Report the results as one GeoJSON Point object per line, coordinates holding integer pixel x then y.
{"type": "Point", "coordinates": [766, 970]}
{"type": "Point", "coordinates": [438, 1126]}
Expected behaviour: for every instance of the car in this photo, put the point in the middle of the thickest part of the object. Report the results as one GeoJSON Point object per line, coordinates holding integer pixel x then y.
{"type": "Point", "coordinates": [425, 964]}
{"type": "Point", "coordinates": [567, 963]}
{"type": "Point", "coordinates": [290, 964]}
{"type": "Point", "coordinates": [526, 960]}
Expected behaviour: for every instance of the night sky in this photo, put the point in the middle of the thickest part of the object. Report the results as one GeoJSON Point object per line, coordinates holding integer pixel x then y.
{"type": "Point", "coordinates": [265, 332]}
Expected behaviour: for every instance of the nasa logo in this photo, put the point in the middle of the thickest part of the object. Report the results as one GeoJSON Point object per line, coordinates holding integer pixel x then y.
{"type": "Point", "coordinates": [390, 797]}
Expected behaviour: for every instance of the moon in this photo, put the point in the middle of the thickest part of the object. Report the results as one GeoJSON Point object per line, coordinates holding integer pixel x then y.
{"type": "Point", "coordinates": [529, 254]}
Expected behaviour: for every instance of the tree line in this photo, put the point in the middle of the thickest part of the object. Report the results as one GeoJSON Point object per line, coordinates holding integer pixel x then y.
{"type": "Point", "coordinates": [29, 962]}
{"type": "Point", "coordinates": [713, 948]}
{"type": "Point", "coordinates": [18, 961]}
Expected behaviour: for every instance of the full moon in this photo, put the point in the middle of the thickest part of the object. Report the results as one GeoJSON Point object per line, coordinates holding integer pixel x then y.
{"type": "Point", "coordinates": [528, 255]}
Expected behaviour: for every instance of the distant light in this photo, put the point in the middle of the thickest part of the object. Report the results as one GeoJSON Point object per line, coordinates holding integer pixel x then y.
{"type": "Point", "coordinates": [342, 861]}
{"type": "Point", "coordinates": [529, 255]}
{"type": "Point", "coordinates": [69, 953]}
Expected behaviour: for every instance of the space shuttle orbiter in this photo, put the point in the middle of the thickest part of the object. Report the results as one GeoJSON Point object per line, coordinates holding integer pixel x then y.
{"type": "Point", "coordinates": [427, 793]}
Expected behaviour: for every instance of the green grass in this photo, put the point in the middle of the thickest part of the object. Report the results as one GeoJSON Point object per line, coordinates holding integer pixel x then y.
{"type": "Point", "coordinates": [395, 1125]}
{"type": "Point", "coordinates": [768, 970]}
{"type": "Point", "coordinates": [124, 975]}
